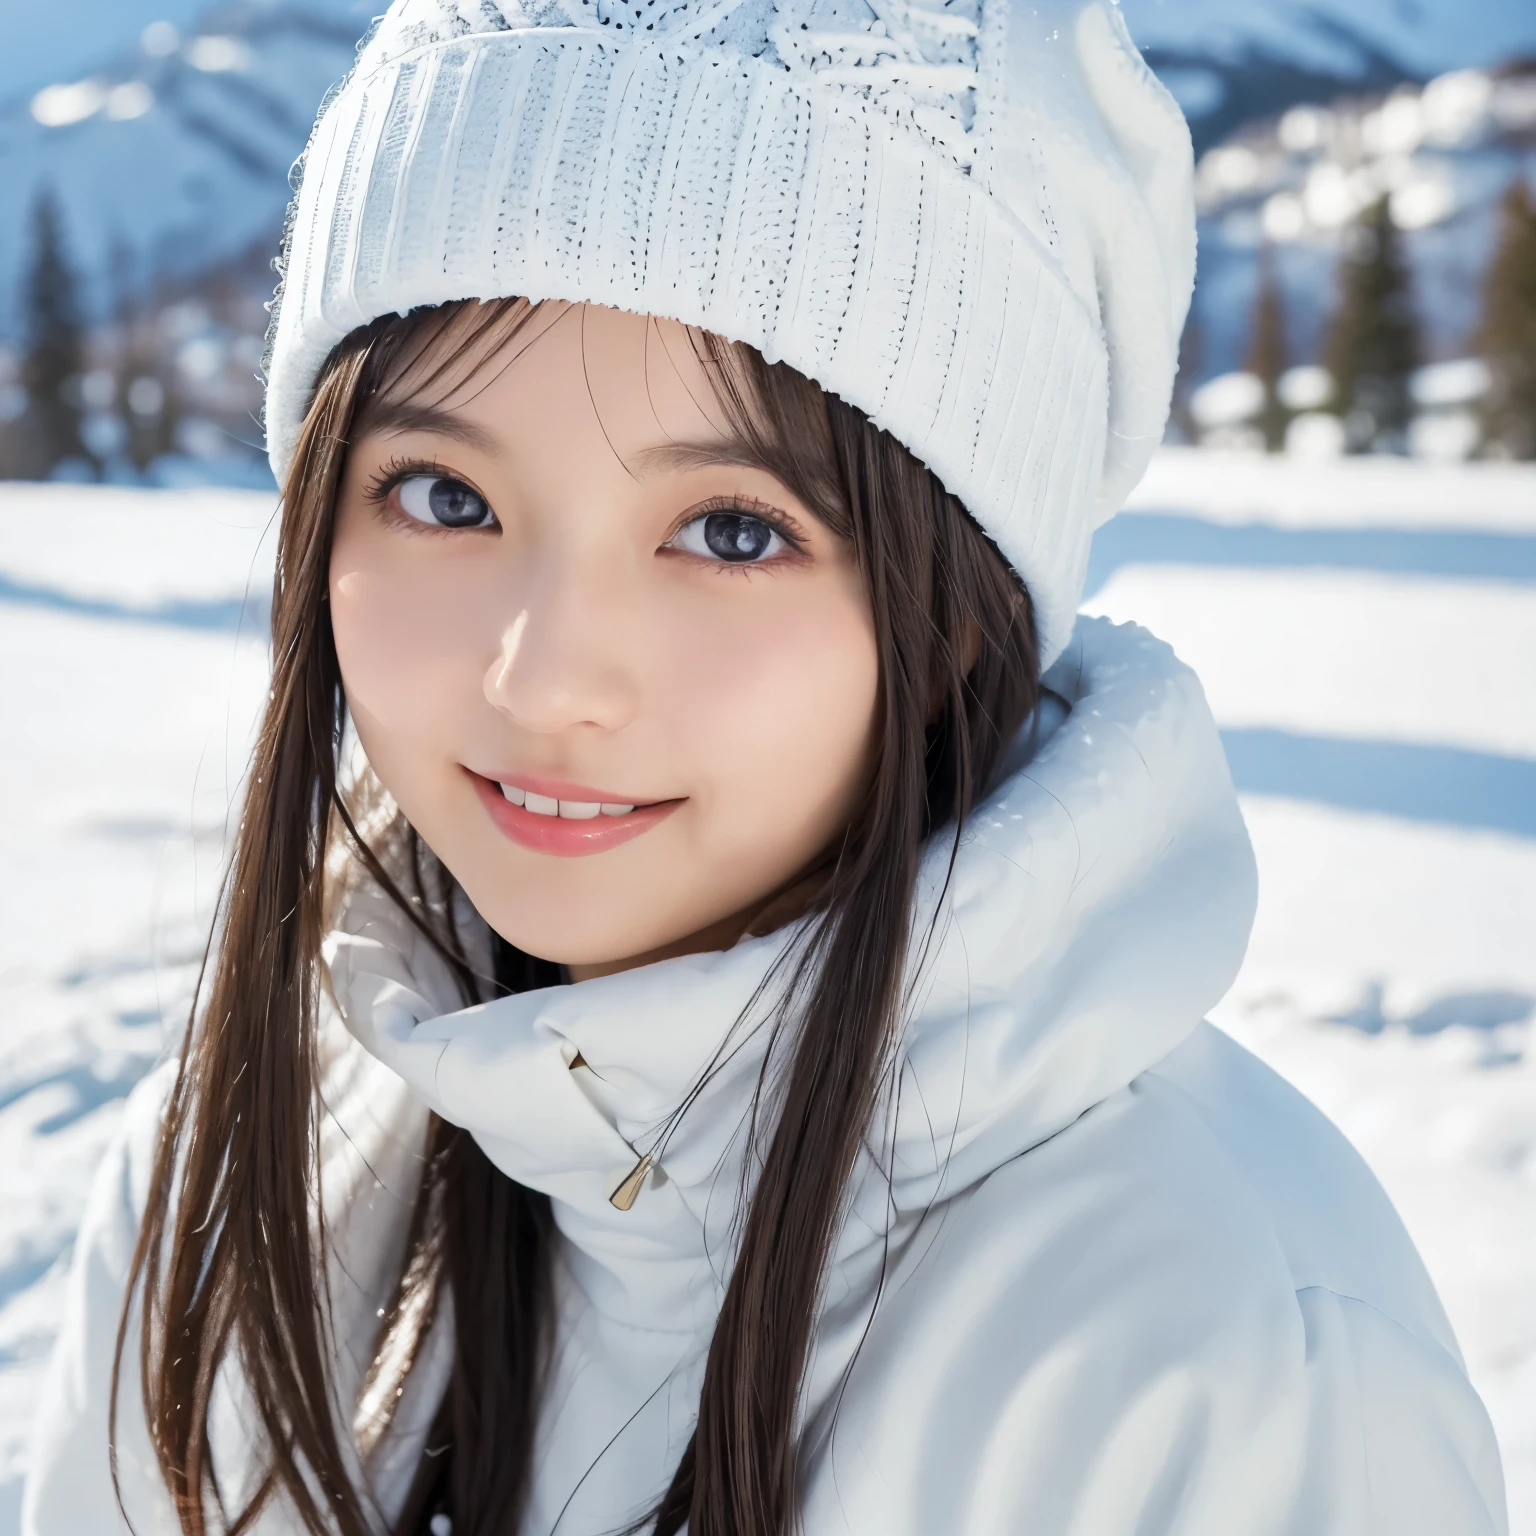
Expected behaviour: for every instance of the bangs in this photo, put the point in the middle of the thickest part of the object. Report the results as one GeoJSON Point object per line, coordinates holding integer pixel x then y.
{"type": "Point", "coordinates": [772, 417]}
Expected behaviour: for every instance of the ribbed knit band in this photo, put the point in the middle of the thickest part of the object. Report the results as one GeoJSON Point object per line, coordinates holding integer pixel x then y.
{"type": "Point", "coordinates": [679, 181]}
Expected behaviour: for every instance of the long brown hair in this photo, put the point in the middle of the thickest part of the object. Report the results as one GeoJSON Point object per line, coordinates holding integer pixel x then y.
{"type": "Point", "coordinates": [230, 1254]}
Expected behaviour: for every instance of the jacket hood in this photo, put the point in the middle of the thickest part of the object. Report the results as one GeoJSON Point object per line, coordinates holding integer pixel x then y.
{"type": "Point", "coordinates": [1099, 903]}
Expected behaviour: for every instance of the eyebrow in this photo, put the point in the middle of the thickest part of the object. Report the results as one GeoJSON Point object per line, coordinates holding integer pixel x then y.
{"type": "Point", "coordinates": [699, 455]}
{"type": "Point", "coordinates": [411, 416]}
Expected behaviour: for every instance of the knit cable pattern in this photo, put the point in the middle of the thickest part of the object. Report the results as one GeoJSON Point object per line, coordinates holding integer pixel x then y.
{"type": "Point", "coordinates": [914, 60]}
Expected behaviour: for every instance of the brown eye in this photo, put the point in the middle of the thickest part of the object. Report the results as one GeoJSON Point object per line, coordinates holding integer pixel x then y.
{"type": "Point", "coordinates": [444, 502]}
{"type": "Point", "coordinates": [738, 538]}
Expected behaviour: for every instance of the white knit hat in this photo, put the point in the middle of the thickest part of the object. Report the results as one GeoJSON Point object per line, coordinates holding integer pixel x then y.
{"type": "Point", "coordinates": [971, 219]}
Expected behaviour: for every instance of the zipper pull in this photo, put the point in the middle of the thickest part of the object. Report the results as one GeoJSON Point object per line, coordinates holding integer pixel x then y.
{"type": "Point", "coordinates": [627, 1192]}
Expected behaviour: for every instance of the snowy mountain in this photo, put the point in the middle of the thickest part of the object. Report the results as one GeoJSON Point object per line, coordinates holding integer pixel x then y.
{"type": "Point", "coordinates": [1424, 37]}
{"type": "Point", "coordinates": [171, 161]}
{"type": "Point", "coordinates": [1230, 61]}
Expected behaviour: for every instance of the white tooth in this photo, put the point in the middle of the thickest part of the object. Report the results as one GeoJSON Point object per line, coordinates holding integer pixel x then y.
{"type": "Point", "coordinates": [542, 805]}
{"type": "Point", "coordinates": [579, 810]}
{"type": "Point", "coordinates": [617, 810]}
{"type": "Point", "coordinates": [513, 793]}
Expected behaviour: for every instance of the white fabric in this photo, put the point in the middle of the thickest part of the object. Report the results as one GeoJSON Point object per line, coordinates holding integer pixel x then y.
{"type": "Point", "coordinates": [972, 219]}
{"type": "Point", "coordinates": [1134, 1283]}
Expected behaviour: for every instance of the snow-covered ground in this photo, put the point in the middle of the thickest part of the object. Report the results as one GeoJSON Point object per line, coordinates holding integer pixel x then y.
{"type": "Point", "coordinates": [1367, 633]}
{"type": "Point", "coordinates": [126, 696]}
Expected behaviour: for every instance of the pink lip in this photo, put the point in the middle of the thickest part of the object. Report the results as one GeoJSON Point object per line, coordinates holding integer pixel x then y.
{"type": "Point", "coordinates": [558, 835]}
{"type": "Point", "coordinates": [563, 789]}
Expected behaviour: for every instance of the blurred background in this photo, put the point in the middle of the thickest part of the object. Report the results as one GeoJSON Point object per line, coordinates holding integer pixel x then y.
{"type": "Point", "coordinates": [1340, 536]}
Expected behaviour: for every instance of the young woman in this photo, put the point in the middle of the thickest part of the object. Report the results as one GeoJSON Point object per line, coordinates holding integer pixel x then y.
{"type": "Point", "coordinates": [703, 1030]}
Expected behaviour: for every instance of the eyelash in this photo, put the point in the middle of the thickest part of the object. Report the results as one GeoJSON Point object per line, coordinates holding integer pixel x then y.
{"type": "Point", "coordinates": [749, 506]}
{"type": "Point", "coordinates": [382, 485]}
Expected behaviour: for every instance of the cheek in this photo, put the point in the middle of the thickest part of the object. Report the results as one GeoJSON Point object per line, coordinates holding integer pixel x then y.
{"type": "Point", "coordinates": [781, 705]}
{"type": "Point", "coordinates": [405, 647]}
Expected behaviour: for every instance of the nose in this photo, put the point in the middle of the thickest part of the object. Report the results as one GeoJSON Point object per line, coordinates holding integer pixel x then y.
{"type": "Point", "coordinates": [560, 664]}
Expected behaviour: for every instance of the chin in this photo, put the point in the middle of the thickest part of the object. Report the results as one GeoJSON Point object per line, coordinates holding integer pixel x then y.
{"type": "Point", "coordinates": [565, 937]}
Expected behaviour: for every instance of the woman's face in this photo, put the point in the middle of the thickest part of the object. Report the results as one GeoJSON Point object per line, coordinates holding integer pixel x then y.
{"type": "Point", "coordinates": [624, 687]}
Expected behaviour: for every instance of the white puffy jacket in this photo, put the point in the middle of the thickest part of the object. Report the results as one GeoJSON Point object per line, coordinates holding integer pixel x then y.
{"type": "Point", "coordinates": [1134, 1282]}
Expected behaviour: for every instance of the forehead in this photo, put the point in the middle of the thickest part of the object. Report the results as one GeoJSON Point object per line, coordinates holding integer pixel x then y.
{"type": "Point", "coordinates": [638, 379]}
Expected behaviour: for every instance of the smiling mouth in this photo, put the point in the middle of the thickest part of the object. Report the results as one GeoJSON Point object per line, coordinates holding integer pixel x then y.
{"type": "Point", "coordinates": [569, 810]}
{"type": "Point", "coordinates": [566, 819]}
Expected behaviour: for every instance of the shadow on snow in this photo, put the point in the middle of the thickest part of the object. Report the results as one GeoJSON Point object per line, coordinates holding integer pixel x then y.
{"type": "Point", "coordinates": [248, 614]}
{"type": "Point", "coordinates": [1469, 1010]}
{"type": "Point", "coordinates": [1166, 538]}
{"type": "Point", "coordinates": [1420, 782]}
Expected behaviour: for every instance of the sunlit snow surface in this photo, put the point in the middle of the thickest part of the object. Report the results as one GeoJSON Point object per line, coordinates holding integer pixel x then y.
{"type": "Point", "coordinates": [1367, 635]}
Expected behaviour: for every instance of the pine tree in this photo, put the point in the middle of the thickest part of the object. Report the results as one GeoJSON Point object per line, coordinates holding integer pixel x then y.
{"type": "Point", "coordinates": [146, 382]}
{"type": "Point", "coordinates": [1373, 338]}
{"type": "Point", "coordinates": [54, 347]}
{"type": "Point", "coordinates": [1268, 350]}
{"type": "Point", "coordinates": [1507, 335]}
